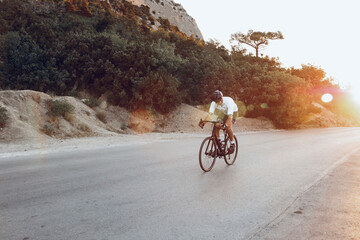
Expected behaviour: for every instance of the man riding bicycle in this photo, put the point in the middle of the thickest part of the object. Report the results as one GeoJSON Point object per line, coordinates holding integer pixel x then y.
{"type": "Point", "coordinates": [226, 112]}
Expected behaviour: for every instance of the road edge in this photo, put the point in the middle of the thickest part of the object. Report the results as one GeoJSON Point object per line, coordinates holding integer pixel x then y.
{"type": "Point", "coordinates": [306, 189]}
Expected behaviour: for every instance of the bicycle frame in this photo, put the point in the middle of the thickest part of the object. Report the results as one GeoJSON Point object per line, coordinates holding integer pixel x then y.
{"type": "Point", "coordinates": [220, 148]}
{"type": "Point", "coordinates": [214, 148]}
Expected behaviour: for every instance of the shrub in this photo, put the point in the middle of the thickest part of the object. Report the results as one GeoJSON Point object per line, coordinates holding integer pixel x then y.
{"type": "Point", "coordinates": [49, 129]}
{"type": "Point", "coordinates": [158, 90]}
{"type": "Point", "coordinates": [3, 117]}
{"type": "Point", "coordinates": [92, 102]}
{"type": "Point", "coordinates": [74, 93]}
{"type": "Point", "coordinates": [84, 128]}
{"type": "Point", "coordinates": [59, 108]}
{"type": "Point", "coordinates": [43, 50]}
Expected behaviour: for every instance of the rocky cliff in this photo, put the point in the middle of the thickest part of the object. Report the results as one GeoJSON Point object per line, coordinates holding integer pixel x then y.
{"type": "Point", "coordinates": [174, 12]}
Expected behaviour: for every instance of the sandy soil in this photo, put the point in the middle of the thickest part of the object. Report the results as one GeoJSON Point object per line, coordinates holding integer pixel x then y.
{"type": "Point", "coordinates": [28, 118]}
{"type": "Point", "coordinates": [71, 144]}
{"type": "Point", "coordinates": [328, 210]}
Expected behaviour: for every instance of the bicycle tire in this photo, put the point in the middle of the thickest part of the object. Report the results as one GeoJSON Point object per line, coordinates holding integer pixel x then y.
{"type": "Point", "coordinates": [207, 156]}
{"type": "Point", "coordinates": [231, 158]}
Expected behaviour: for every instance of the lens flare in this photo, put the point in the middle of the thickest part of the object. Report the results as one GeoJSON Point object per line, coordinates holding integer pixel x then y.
{"type": "Point", "coordinates": [326, 98]}
{"type": "Point", "coordinates": [264, 105]}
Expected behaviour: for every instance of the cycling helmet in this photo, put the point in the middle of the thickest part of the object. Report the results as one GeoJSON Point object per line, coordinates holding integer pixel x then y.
{"type": "Point", "coordinates": [216, 96]}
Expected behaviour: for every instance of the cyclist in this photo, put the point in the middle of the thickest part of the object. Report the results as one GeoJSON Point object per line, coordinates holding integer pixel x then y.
{"type": "Point", "coordinates": [227, 113]}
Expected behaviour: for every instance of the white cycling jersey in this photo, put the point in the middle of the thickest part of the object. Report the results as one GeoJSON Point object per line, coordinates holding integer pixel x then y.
{"type": "Point", "coordinates": [228, 107]}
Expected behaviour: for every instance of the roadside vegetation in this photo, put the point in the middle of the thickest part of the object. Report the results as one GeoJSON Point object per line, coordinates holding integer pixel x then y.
{"type": "Point", "coordinates": [49, 129]}
{"type": "Point", "coordinates": [57, 108]}
{"type": "Point", "coordinates": [3, 117]}
{"type": "Point", "coordinates": [92, 102]}
{"type": "Point", "coordinates": [65, 48]}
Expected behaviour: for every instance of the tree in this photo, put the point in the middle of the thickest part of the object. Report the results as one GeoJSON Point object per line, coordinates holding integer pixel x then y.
{"type": "Point", "coordinates": [316, 77]}
{"type": "Point", "coordinates": [256, 40]}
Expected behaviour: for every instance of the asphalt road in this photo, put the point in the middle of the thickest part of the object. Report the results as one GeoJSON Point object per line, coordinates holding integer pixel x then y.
{"type": "Point", "coordinates": [156, 189]}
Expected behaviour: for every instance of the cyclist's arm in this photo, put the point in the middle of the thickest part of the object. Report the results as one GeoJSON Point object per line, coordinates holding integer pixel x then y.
{"type": "Point", "coordinates": [209, 115]}
{"type": "Point", "coordinates": [203, 121]}
{"type": "Point", "coordinates": [207, 118]}
{"type": "Point", "coordinates": [230, 113]}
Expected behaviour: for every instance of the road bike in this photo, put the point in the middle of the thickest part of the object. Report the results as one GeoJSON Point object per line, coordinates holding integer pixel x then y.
{"type": "Point", "coordinates": [211, 148]}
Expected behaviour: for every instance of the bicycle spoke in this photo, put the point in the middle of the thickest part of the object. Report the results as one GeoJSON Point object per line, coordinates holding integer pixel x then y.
{"type": "Point", "coordinates": [207, 154]}
{"type": "Point", "coordinates": [231, 157]}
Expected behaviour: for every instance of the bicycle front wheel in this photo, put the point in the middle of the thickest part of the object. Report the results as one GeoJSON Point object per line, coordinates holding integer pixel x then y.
{"type": "Point", "coordinates": [231, 157]}
{"type": "Point", "coordinates": [207, 154]}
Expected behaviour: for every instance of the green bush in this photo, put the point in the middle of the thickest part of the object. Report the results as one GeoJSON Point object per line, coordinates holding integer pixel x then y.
{"type": "Point", "coordinates": [59, 108]}
{"type": "Point", "coordinates": [92, 102]}
{"type": "Point", "coordinates": [46, 48]}
{"type": "Point", "coordinates": [3, 117]}
{"type": "Point", "coordinates": [49, 129]}
{"type": "Point", "coordinates": [74, 93]}
{"type": "Point", "coordinates": [158, 90]}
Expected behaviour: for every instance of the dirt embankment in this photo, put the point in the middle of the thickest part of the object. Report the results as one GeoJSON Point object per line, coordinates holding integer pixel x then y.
{"type": "Point", "coordinates": [325, 119]}
{"type": "Point", "coordinates": [29, 119]}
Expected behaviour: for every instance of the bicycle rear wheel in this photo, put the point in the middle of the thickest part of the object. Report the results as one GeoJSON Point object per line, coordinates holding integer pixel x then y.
{"type": "Point", "coordinates": [207, 154]}
{"type": "Point", "coordinates": [230, 157]}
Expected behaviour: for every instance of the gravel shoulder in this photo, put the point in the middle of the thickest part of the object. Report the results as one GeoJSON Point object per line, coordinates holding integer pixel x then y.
{"type": "Point", "coordinates": [41, 145]}
{"type": "Point", "coordinates": [330, 209]}
{"type": "Point", "coordinates": [72, 144]}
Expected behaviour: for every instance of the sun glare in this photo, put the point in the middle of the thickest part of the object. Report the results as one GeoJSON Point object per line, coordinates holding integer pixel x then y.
{"type": "Point", "coordinates": [326, 98]}
{"type": "Point", "coordinates": [355, 93]}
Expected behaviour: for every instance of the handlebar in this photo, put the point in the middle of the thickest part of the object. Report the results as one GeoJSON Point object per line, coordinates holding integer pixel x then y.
{"type": "Point", "coordinates": [212, 121]}
{"type": "Point", "coordinates": [223, 125]}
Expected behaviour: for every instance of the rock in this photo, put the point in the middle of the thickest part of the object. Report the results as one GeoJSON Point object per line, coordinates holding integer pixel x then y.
{"type": "Point", "coordinates": [174, 12]}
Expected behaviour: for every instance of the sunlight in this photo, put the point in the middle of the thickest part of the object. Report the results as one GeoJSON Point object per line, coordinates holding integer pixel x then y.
{"type": "Point", "coordinates": [326, 98]}
{"type": "Point", "coordinates": [355, 93]}
{"type": "Point", "coordinates": [141, 121]}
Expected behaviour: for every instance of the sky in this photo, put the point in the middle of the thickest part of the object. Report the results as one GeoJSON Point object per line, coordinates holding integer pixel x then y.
{"type": "Point", "coordinates": [324, 33]}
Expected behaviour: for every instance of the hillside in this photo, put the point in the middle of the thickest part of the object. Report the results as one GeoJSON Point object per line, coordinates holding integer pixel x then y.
{"type": "Point", "coordinates": [29, 119]}
{"type": "Point", "coordinates": [326, 118]}
{"type": "Point", "coordinates": [147, 11]}
{"type": "Point", "coordinates": [174, 12]}
{"type": "Point", "coordinates": [123, 54]}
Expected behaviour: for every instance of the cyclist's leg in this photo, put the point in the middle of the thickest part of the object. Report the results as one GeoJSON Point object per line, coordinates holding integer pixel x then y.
{"type": "Point", "coordinates": [222, 118]}
{"type": "Point", "coordinates": [235, 117]}
{"type": "Point", "coordinates": [217, 132]}
{"type": "Point", "coordinates": [229, 123]}
{"type": "Point", "coordinates": [230, 132]}
{"type": "Point", "coordinates": [229, 129]}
